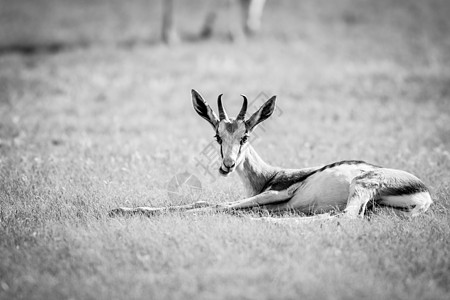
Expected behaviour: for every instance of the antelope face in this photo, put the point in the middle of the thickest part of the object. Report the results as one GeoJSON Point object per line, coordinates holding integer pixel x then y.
{"type": "Point", "coordinates": [232, 134]}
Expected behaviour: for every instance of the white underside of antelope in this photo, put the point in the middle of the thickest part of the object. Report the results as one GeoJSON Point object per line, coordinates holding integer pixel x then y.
{"type": "Point", "coordinates": [346, 188]}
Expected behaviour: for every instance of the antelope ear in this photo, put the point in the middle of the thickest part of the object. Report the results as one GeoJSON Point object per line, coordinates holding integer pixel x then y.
{"type": "Point", "coordinates": [203, 109]}
{"type": "Point", "coordinates": [264, 112]}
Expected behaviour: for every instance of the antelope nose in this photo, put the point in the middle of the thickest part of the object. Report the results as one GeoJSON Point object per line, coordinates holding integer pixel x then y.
{"type": "Point", "coordinates": [229, 163]}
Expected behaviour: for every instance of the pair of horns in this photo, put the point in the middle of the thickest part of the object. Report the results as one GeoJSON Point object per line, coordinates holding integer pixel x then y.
{"type": "Point", "coordinates": [223, 115]}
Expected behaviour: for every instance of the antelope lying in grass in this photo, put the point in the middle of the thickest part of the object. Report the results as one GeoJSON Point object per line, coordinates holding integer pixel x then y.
{"type": "Point", "coordinates": [347, 186]}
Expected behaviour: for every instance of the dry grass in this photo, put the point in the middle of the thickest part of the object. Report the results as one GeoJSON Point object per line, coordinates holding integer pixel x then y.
{"type": "Point", "coordinates": [92, 128]}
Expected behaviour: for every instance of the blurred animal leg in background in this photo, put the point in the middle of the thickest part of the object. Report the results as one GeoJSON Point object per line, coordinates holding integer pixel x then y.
{"type": "Point", "coordinates": [252, 11]}
{"type": "Point", "coordinates": [208, 26]}
{"type": "Point", "coordinates": [234, 30]}
{"type": "Point", "coordinates": [229, 11]}
{"type": "Point", "coordinates": [169, 32]}
{"type": "Point", "coordinates": [249, 10]}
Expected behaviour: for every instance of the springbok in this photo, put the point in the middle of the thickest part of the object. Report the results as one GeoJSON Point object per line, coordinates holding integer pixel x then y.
{"type": "Point", "coordinates": [346, 187]}
{"type": "Point", "coordinates": [251, 12]}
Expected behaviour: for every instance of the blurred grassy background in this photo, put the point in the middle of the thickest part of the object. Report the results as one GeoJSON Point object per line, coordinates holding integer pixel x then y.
{"type": "Point", "coordinates": [95, 113]}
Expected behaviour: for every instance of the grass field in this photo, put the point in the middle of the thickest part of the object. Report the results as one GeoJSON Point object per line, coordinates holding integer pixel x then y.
{"type": "Point", "coordinates": [95, 113]}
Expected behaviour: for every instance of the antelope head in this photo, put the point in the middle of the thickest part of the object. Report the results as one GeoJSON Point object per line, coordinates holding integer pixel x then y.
{"type": "Point", "coordinates": [232, 134]}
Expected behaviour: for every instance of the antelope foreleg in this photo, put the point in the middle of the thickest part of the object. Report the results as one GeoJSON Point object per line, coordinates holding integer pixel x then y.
{"type": "Point", "coordinates": [260, 200]}
{"type": "Point", "coordinates": [269, 197]}
{"type": "Point", "coordinates": [265, 198]}
{"type": "Point", "coordinates": [152, 211]}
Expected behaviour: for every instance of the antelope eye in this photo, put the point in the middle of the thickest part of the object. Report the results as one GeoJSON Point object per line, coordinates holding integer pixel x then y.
{"type": "Point", "coordinates": [218, 139]}
{"type": "Point", "coordinates": [244, 139]}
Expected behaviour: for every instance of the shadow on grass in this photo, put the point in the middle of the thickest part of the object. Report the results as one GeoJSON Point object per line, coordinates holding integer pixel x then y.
{"type": "Point", "coordinates": [54, 47]}
{"type": "Point", "coordinates": [41, 48]}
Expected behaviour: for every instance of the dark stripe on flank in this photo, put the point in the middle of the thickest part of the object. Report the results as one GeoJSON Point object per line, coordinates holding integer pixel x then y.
{"type": "Point", "coordinates": [283, 180]}
{"type": "Point", "coordinates": [404, 188]}
{"type": "Point", "coordinates": [345, 162]}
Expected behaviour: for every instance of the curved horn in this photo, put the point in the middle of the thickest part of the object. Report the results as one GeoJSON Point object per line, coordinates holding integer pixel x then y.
{"type": "Point", "coordinates": [243, 111]}
{"type": "Point", "coordinates": [222, 112]}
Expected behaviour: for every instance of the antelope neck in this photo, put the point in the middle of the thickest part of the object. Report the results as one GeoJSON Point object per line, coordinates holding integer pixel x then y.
{"type": "Point", "coordinates": [254, 171]}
